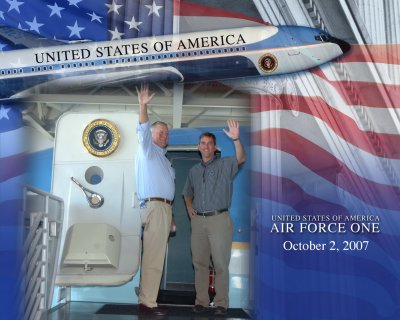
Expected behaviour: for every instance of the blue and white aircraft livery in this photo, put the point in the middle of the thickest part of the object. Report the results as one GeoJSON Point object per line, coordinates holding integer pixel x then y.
{"type": "Point", "coordinates": [198, 56]}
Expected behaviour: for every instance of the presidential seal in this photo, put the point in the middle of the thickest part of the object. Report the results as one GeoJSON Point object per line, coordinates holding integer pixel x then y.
{"type": "Point", "coordinates": [100, 137]}
{"type": "Point", "coordinates": [268, 62]}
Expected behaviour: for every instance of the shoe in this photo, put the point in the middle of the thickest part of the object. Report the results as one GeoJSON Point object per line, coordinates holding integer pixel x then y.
{"type": "Point", "coordinates": [155, 311]}
{"type": "Point", "coordinates": [220, 311]}
{"type": "Point", "coordinates": [198, 308]}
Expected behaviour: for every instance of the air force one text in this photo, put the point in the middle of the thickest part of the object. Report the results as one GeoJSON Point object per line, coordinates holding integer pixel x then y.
{"type": "Point", "coordinates": [198, 56]}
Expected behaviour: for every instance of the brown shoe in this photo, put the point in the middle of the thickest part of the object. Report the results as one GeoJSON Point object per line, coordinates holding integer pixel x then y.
{"type": "Point", "coordinates": [220, 311]}
{"type": "Point", "coordinates": [198, 308]}
{"type": "Point", "coordinates": [155, 311]}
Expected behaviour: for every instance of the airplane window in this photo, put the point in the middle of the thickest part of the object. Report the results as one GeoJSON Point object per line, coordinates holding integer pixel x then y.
{"type": "Point", "coordinates": [75, 65]}
{"type": "Point", "coordinates": [8, 71]}
{"type": "Point", "coordinates": [62, 66]}
{"type": "Point", "coordinates": [45, 68]}
{"type": "Point", "coordinates": [68, 65]}
{"type": "Point", "coordinates": [104, 62]}
{"type": "Point", "coordinates": [213, 51]}
{"type": "Point", "coordinates": [3, 72]}
{"type": "Point", "coordinates": [21, 71]}
{"type": "Point", "coordinates": [51, 67]}
{"type": "Point", "coordinates": [92, 63]}
{"type": "Point", "coordinates": [117, 61]}
{"type": "Point", "coordinates": [15, 70]}
{"type": "Point", "coordinates": [322, 38]}
{"type": "Point", "coordinates": [171, 55]}
{"type": "Point", "coordinates": [147, 58]}
{"type": "Point", "coordinates": [165, 56]}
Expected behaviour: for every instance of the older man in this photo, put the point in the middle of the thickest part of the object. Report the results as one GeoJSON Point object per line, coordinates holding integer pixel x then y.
{"type": "Point", "coordinates": [156, 189]}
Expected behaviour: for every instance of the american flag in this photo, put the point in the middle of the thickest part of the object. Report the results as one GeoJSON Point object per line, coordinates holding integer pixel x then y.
{"type": "Point", "coordinates": [326, 143]}
{"type": "Point", "coordinates": [76, 20]}
{"type": "Point", "coordinates": [12, 149]}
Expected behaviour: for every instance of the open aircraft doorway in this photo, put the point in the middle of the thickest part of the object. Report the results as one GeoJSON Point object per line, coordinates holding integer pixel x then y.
{"type": "Point", "coordinates": [177, 285]}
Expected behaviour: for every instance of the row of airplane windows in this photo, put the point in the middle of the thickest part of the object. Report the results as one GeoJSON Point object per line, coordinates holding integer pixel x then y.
{"type": "Point", "coordinates": [122, 60]}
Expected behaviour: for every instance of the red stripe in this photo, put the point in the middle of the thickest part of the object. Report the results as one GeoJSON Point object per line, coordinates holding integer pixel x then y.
{"type": "Point", "coordinates": [12, 166]}
{"type": "Point", "coordinates": [384, 53]}
{"type": "Point", "coordinates": [359, 93]}
{"type": "Point", "coordinates": [264, 186]}
{"type": "Point", "coordinates": [343, 125]}
{"type": "Point", "coordinates": [328, 167]}
{"type": "Point", "coordinates": [192, 9]}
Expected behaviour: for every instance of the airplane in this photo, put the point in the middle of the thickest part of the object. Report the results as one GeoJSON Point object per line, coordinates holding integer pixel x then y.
{"type": "Point", "coordinates": [263, 50]}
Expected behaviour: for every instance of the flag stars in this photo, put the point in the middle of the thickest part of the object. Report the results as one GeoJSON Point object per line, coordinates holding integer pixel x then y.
{"type": "Point", "coordinates": [75, 30]}
{"type": "Point", "coordinates": [154, 8]}
{"type": "Point", "coordinates": [14, 5]}
{"type": "Point", "coordinates": [94, 17]}
{"type": "Point", "coordinates": [4, 113]}
{"type": "Point", "coordinates": [114, 7]}
{"type": "Point", "coordinates": [74, 2]}
{"type": "Point", "coordinates": [133, 24]}
{"type": "Point", "coordinates": [55, 9]}
{"type": "Point", "coordinates": [34, 25]}
{"type": "Point", "coordinates": [116, 35]}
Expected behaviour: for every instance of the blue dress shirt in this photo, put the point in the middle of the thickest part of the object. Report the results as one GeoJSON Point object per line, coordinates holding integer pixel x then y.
{"type": "Point", "coordinates": [154, 173]}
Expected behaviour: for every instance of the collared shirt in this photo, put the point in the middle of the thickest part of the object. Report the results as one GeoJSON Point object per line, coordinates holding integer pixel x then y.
{"type": "Point", "coordinates": [154, 173]}
{"type": "Point", "coordinates": [210, 184]}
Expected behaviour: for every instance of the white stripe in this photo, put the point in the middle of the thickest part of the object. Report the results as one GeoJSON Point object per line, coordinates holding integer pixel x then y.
{"type": "Point", "coordinates": [381, 118]}
{"type": "Point", "coordinates": [357, 160]}
{"type": "Point", "coordinates": [195, 23]}
{"type": "Point", "coordinates": [361, 71]}
{"type": "Point", "coordinates": [12, 142]}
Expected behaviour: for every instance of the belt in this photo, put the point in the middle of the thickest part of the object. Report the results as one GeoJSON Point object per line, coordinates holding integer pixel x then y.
{"type": "Point", "coordinates": [211, 212]}
{"type": "Point", "coordinates": [158, 199]}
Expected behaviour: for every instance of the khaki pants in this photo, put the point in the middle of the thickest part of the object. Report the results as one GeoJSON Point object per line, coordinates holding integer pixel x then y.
{"type": "Point", "coordinates": [212, 236]}
{"type": "Point", "coordinates": [156, 218]}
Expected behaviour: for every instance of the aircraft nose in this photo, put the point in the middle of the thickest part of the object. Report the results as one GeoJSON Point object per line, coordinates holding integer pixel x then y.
{"type": "Point", "coordinates": [344, 46]}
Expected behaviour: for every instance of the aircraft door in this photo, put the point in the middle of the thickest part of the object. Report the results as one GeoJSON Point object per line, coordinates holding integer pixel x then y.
{"type": "Point", "coordinates": [93, 172]}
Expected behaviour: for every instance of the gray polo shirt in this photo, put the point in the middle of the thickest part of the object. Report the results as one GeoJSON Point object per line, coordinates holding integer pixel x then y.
{"type": "Point", "coordinates": [210, 184]}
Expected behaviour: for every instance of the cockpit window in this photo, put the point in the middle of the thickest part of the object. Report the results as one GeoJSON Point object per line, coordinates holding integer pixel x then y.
{"type": "Point", "coordinates": [322, 37]}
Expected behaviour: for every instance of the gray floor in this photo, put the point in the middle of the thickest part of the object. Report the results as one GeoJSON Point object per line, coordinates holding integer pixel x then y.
{"type": "Point", "coordinates": [87, 310]}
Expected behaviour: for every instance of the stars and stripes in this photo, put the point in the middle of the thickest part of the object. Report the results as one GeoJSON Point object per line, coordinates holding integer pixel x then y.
{"type": "Point", "coordinates": [330, 148]}
{"type": "Point", "coordinates": [71, 20]}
